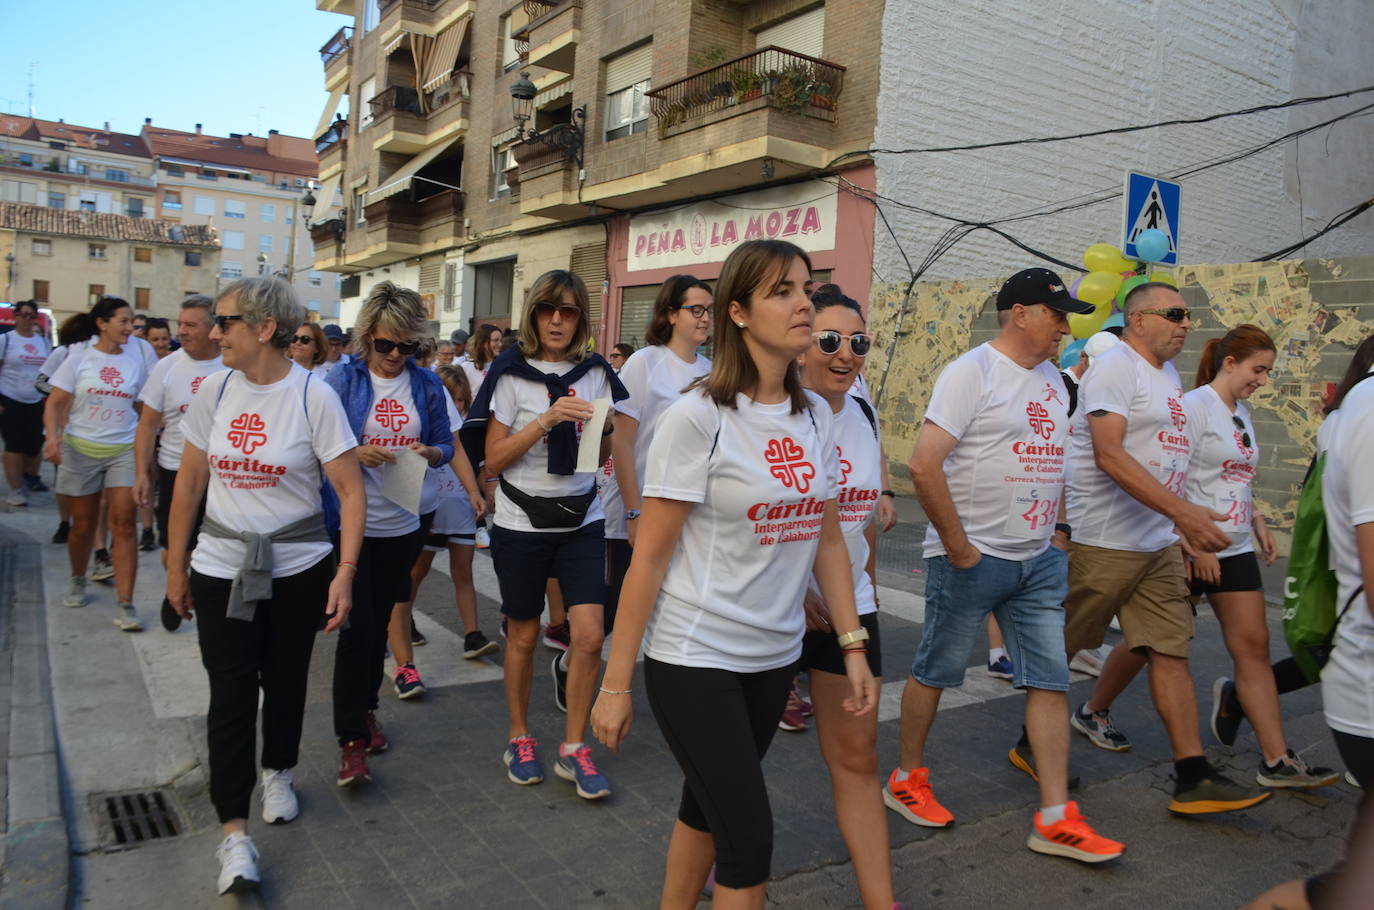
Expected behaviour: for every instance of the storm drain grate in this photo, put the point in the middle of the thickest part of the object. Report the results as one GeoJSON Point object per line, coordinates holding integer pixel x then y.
{"type": "Point", "coordinates": [135, 818]}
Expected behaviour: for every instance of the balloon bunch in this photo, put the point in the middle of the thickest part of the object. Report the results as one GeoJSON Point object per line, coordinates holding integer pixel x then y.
{"type": "Point", "coordinates": [1111, 276]}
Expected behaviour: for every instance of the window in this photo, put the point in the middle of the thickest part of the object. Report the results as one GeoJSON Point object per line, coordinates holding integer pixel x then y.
{"type": "Point", "coordinates": [265, 243]}
{"type": "Point", "coordinates": [133, 208]}
{"type": "Point", "coordinates": [174, 170]}
{"type": "Point", "coordinates": [57, 200]}
{"type": "Point", "coordinates": [231, 240]}
{"type": "Point", "coordinates": [95, 292]}
{"type": "Point", "coordinates": [313, 306]}
{"type": "Point", "coordinates": [141, 298]}
{"type": "Point", "coordinates": [95, 250]}
{"type": "Point", "coordinates": [77, 167]}
{"type": "Point", "coordinates": [234, 208]}
{"type": "Point", "coordinates": [143, 254]}
{"type": "Point", "coordinates": [268, 212]}
{"type": "Point", "coordinates": [492, 289]}
{"type": "Point", "coordinates": [627, 79]}
{"type": "Point", "coordinates": [207, 174]}
{"type": "Point", "coordinates": [203, 205]}
{"type": "Point", "coordinates": [41, 247]}
{"type": "Point", "coordinates": [230, 270]}
{"type": "Point", "coordinates": [366, 93]}
{"type": "Point", "coordinates": [19, 191]}
{"type": "Point", "coordinates": [40, 290]}
{"type": "Point", "coordinates": [118, 175]}
{"type": "Point", "coordinates": [286, 215]}
{"type": "Point", "coordinates": [501, 162]}
{"type": "Point", "coordinates": [316, 279]}
{"type": "Point", "coordinates": [25, 159]}
{"type": "Point", "coordinates": [360, 206]}
{"type": "Point", "coordinates": [192, 258]}
{"type": "Point", "coordinates": [804, 34]}
{"type": "Point", "coordinates": [87, 205]}
{"type": "Point", "coordinates": [171, 199]}
{"type": "Point", "coordinates": [371, 13]}
{"type": "Point", "coordinates": [511, 23]}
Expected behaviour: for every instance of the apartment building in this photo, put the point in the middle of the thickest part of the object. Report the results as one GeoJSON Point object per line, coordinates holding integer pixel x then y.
{"type": "Point", "coordinates": [65, 259]}
{"type": "Point", "coordinates": [63, 166]}
{"type": "Point", "coordinates": [485, 143]}
{"type": "Point", "coordinates": [254, 190]}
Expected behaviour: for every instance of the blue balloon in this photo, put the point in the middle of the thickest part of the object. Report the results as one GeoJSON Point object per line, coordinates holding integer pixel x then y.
{"type": "Point", "coordinates": [1117, 318]}
{"type": "Point", "coordinates": [1072, 354]}
{"type": "Point", "coordinates": [1152, 245]}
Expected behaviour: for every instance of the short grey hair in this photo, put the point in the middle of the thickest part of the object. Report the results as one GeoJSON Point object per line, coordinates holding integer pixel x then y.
{"type": "Point", "coordinates": [200, 302]}
{"type": "Point", "coordinates": [261, 299]}
{"type": "Point", "coordinates": [442, 345]}
{"type": "Point", "coordinates": [396, 310]}
{"type": "Point", "coordinates": [1141, 295]}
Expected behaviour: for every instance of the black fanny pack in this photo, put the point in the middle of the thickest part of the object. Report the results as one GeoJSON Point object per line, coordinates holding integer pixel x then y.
{"type": "Point", "coordinates": [551, 511]}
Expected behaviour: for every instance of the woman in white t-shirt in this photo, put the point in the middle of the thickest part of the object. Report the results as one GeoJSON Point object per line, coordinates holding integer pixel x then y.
{"type": "Point", "coordinates": [1221, 470]}
{"type": "Point", "coordinates": [309, 348]}
{"type": "Point", "coordinates": [22, 353]}
{"type": "Point", "coordinates": [91, 419]}
{"type": "Point", "coordinates": [259, 440]}
{"type": "Point", "coordinates": [739, 510]}
{"type": "Point", "coordinates": [481, 350]}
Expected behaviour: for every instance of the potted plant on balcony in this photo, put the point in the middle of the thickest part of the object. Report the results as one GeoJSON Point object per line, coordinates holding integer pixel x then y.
{"type": "Point", "coordinates": [748, 84]}
{"type": "Point", "coordinates": [793, 88]}
{"type": "Point", "coordinates": [820, 96]}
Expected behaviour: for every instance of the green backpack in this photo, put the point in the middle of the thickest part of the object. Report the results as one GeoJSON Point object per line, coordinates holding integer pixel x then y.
{"type": "Point", "coordinates": [1310, 591]}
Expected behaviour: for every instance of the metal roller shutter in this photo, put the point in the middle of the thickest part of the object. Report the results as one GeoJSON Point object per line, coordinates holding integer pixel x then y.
{"type": "Point", "coordinates": [804, 34]}
{"type": "Point", "coordinates": [636, 306]}
{"type": "Point", "coordinates": [630, 68]}
{"type": "Point", "coordinates": [589, 264]}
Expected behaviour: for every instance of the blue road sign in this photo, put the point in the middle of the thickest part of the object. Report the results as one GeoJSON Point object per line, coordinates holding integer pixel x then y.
{"type": "Point", "coordinates": [1151, 202]}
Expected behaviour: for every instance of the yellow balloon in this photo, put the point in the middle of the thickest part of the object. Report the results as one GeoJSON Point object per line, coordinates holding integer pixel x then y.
{"type": "Point", "coordinates": [1098, 288]}
{"type": "Point", "coordinates": [1088, 324]}
{"type": "Point", "coordinates": [1103, 257]}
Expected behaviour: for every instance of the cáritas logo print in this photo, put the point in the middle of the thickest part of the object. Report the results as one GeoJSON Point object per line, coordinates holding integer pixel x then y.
{"type": "Point", "coordinates": [788, 464]}
{"type": "Point", "coordinates": [247, 433]}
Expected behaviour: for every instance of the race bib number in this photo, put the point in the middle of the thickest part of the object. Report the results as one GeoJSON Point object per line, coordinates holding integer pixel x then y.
{"type": "Point", "coordinates": [1031, 513]}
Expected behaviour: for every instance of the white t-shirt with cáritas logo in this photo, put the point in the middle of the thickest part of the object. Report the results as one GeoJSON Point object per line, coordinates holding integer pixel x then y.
{"type": "Point", "coordinates": [265, 456]}
{"type": "Point", "coordinates": [861, 482]}
{"type": "Point", "coordinates": [1221, 467]}
{"type": "Point", "coordinates": [612, 505]}
{"type": "Point", "coordinates": [516, 402]}
{"type": "Point", "coordinates": [20, 360]}
{"type": "Point", "coordinates": [176, 379]}
{"type": "Point", "coordinates": [760, 477]}
{"type": "Point", "coordinates": [443, 493]}
{"type": "Point", "coordinates": [1100, 512]}
{"type": "Point", "coordinates": [1006, 474]}
{"type": "Point", "coordinates": [392, 423]}
{"type": "Point", "coordinates": [654, 377]}
{"type": "Point", "coordinates": [104, 388]}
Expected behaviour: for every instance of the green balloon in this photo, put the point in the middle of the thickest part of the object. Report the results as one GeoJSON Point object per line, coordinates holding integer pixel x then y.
{"type": "Point", "coordinates": [1126, 287]}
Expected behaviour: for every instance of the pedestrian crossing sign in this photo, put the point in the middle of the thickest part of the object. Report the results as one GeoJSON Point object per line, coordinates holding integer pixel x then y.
{"type": "Point", "coordinates": [1151, 202]}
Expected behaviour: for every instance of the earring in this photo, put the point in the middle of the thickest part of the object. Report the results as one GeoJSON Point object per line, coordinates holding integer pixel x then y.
{"type": "Point", "coordinates": [740, 324]}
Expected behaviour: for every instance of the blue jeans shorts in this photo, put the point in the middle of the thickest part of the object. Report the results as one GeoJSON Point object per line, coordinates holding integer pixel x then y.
{"type": "Point", "coordinates": [1027, 597]}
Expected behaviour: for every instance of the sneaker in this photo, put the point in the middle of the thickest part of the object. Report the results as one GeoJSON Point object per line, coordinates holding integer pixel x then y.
{"type": "Point", "coordinates": [560, 684]}
{"type": "Point", "coordinates": [504, 620]}
{"type": "Point", "coordinates": [578, 768]}
{"type": "Point", "coordinates": [807, 709]}
{"type": "Point", "coordinates": [238, 864]}
{"type": "Point", "coordinates": [1098, 727]}
{"type": "Point", "coordinates": [1226, 711]}
{"type": "Point", "coordinates": [126, 617]}
{"type": "Point", "coordinates": [476, 645]}
{"type": "Point", "coordinates": [35, 483]}
{"type": "Point", "coordinates": [483, 538]}
{"type": "Point", "coordinates": [522, 765]}
{"type": "Point", "coordinates": [417, 638]}
{"type": "Point", "coordinates": [793, 719]}
{"type": "Point", "coordinates": [76, 592]}
{"type": "Point", "coordinates": [353, 764]}
{"type": "Point", "coordinates": [1023, 759]}
{"type": "Point", "coordinates": [376, 739]}
{"type": "Point", "coordinates": [18, 498]}
{"type": "Point", "coordinates": [408, 683]}
{"type": "Point", "coordinates": [914, 801]}
{"type": "Point", "coordinates": [1214, 793]}
{"type": "Point", "coordinates": [171, 619]}
{"type": "Point", "coordinates": [147, 542]}
{"type": "Point", "coordinates": [104, 566]}
{"type": "Point", "coordinates": [1000, 668]}
{"type": "Point", "coordinates": [1089, 662]}
{"type": "Point", "coordinates": [64, 528]}
{"type": "Point", "coordinates": [1292, 771]}
{"type": "Point", "coordinates": [1350, 779]}
{"type": "Point", "coordinates": [1073, 837]}
{"type": "Point", "coordinates": [556, 636]}
{"type": "Point", "coordinates": [279, 804]}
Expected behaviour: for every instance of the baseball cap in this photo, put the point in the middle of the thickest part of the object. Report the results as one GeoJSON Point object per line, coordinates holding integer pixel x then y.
{"type": "Point", "coordinates": [1100, 343]}
{"type": "Point", "coordinates": [459, 337]}
{"type": "Point", "coordinates": [333, 333]}
{"type": "Point", "coordinates": [1031, 286]}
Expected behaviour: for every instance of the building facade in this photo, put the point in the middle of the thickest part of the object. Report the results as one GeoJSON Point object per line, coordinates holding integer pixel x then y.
{"type": "Point", "coordinates": [66, 167]}
{"type": "Point", "coordinates": [648, 140]}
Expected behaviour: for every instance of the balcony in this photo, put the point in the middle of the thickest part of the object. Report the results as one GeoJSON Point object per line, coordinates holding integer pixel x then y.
{"type": "Point", "coordinates": [553, 33]}
{"type": "Point", "coordinates": [334, 55]}
{"type": "Point", "coordinates": [403, 123]}
{"type": "Point", "coordinates": [545, 178]}
{"type": "Point", "coordinates": [398, 227]}
{"type": "Point", "coordinates": [412, 15]}
{"type": "Point", "coordinates": [328, 239]}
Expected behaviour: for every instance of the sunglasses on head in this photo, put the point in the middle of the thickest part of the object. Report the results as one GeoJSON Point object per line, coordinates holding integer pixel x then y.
{"type": "Point", "coordinates": [1173, 313]}
{"type": "Point", "coordinates": [302, 339]}
{"type": "Point", "coordinates": [829, 342]}
{"type": "Point", "coordinates": [696, 309]}
{"type": "Point", "coordinates": [222, 322]}
{"type": "Point", "coordinates": [1244, 434]}
{"type": "Point", "coordinates": [566, 311]}
{"type": "Point", "coordinates": [383, 346]}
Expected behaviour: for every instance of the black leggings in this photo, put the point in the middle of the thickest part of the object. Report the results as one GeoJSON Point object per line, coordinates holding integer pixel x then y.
{"type": "Point", "coordinates": [1357, 754]}
{"type": "Point", "coordinates": [618, 553]}
{"type": "Point", "coordinates": [718, 725]}
{"type": "Point", "coordinates": [271, 652]}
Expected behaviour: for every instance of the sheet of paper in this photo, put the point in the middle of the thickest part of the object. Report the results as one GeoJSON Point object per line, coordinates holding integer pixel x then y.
{"type": "Point", "coordinates": [402, 481]}
{"type": "Point", "coordinates": [589, 449]}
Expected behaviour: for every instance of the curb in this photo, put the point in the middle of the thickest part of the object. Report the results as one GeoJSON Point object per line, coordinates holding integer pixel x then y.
{"type": "Point", "coordinates": [36, 845]}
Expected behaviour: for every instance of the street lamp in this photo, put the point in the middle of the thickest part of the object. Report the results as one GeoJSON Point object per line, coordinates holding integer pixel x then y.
{"type": "Point", "coordinates": [306, 205]}
{"type": "Point", "coordinates": [262, 264]}
{"type": "Point", "coordinates": [9, 276]}
{"type": "Point", "coordinates": [522, 92]}
{"type": "Point", "coordinates": [568, 138]}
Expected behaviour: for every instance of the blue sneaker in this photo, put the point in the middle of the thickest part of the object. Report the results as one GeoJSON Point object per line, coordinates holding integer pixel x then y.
{"type": "Point", "coordinates": [522, 765]}
{"type": "Point", "coordinates": [578, 768]}
{"type": "Point", "coordinates": [1001, 667]}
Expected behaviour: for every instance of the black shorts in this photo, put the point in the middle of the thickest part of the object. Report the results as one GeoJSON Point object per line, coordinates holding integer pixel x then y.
{"type": "Point", "coordinates": [525, 560]}
{"type": "Point", "coordinates": [821, 650]}
{"type": "Point", "coordinates": [21, 426]}
{"type": "Point", "coordinates": [162, 508]}
{"type": "Point", "coordinates": [1238, 573]}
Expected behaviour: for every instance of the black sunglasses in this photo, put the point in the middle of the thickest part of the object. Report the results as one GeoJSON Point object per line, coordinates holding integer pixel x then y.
{"type": "Point", "coordinates": [1173, 313]}
{"type": "Point", "coordinates": [696, 309]}
{"type": "Point", "coordinates": [222, 322]}
{"type": "Point", "coordinates": [1244, 434]}
{"type": "Point", "coordinates": [567, 311]}
{"type": "Point", "coordinates": [383, 346]}
{"type": "Point", "coordinates": [829, 342]}
{"type": "Point", "coordinates": [303, 339]}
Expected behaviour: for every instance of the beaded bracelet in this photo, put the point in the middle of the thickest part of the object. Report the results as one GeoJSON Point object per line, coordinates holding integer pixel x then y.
{"type": "Point", "coordinates": [615, 691]}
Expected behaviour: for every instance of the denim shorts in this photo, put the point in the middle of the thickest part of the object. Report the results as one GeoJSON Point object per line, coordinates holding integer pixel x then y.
{"type": "Point", "coordinates": [1027, 597]}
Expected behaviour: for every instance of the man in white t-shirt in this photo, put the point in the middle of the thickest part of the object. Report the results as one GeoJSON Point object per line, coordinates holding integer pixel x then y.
{"type": "Point", "coordinates": [989, 472]}
{"type": "Point", "coordinates": [1126, 511]}
{"type": "Point", "coordinates": [335, 343]}
{"type": "Point", "coordinates": [166, 395]}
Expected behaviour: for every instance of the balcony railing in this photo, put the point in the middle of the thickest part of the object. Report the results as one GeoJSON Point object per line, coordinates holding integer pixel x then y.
{"type": "Point", "coordinates": [791, 82]}
{"type": "Point", "coordinates": [395, 98]}
{"type": "Point", "coordinates": [337, 46]}
{"type": "Point", "coordinates": [337, 132]}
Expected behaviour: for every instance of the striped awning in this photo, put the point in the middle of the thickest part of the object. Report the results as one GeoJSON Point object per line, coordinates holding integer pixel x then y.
{"type": "Point", "coordinates": [330, 108]}
{"type": "Point", "coordinates": [400, 181]}
{"type": "Point", "coordinates": [325, 205]}
{"type": "Point", "coordinates": [395, 42]}
{"type": "Point", "coordinates": [443, 60]}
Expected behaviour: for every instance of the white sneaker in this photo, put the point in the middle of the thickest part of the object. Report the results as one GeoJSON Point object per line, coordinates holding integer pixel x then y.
{"type": "Point", "coordinates": [76, 592]}
{"type": "Point", "coordinates": [1089, 662]}
{"type": "Point", "coordinates": [103, 570]}
{"type": "Point", "coordinates": [279, 804]}
{"type": "Point", "coordinates": [238, 864]}
{"type": "Point", "coordinates": [1350, 779]}
{"type": "Point", "coordinates": [483, 538]}
{"type": "Point", "coordinates": [126, 617]}
{"type": "Point", "coordinates": [18, 498]}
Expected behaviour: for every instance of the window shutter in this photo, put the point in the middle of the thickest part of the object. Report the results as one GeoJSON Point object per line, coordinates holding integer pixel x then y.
{"type": "Point", "coordinates": [636, 306]}
{"type": "Point", "coordinates": [431, 275]}
{"type": "Point", "coordinates": [804, 34]}
{"type": "Point", "coordinates": [630, 68]}
{"type": "Point", "coordinates": [589, 264]}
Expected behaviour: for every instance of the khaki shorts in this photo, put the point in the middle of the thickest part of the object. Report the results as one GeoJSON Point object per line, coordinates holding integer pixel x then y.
{"type": "Point", "coordinates": [81, 475]}
{"type": "Point", "coordinates": [1146, 590]}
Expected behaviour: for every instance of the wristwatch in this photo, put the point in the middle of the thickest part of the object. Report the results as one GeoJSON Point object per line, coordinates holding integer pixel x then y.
{"type": "Point", "coordinates": [849, 638]}
{"type": "Point", "coordinates": [1065, 530]}
{"type": "Point", "coordinates": [631, 514]}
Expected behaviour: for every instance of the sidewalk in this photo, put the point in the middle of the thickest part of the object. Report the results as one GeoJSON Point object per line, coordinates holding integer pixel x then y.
{"type": "Point", "coordinates": [442, 827]}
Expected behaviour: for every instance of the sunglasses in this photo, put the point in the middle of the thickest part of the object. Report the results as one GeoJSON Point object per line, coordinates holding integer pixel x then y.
{"type": "Point", "coordinates": [567, 312]}
{"type": "Point", "coordinates": [303, 339]}
{"type": "Point", "coordinates": [829, 342]}
{"type": "Point", "coordinates": [383, 346]}
{"type": "Point", "coordinates": [1244, 434]}
{"type": "Point", "coordinates": [696, 309]}
{"type": "Point", "coordinates": [1173, 313]}
{"type": "Point", "coordinates": [222, 322]}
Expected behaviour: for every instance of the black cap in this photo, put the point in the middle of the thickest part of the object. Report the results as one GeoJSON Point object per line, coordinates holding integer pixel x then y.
{"type": "Point", "coordinates": [459, 337]}
{"type": "Point", "coordinates": [1032, 286]}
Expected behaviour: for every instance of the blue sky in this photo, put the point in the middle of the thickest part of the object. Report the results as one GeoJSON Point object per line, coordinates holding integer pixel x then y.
{"type": "Point", "coordinates": [121, 62]}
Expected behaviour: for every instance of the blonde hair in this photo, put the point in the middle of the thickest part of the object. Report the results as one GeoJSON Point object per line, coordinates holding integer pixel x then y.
{"type": "Point", "coordinates": [549, 288]}
{"type": "Point", "coordinates": [459, 389]}
{"type": "Point", "coordinates": [395, 310]}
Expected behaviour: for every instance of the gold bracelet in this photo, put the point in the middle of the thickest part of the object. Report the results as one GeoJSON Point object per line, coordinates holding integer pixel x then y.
{"type": "Point", "coordinates": [849, 638]}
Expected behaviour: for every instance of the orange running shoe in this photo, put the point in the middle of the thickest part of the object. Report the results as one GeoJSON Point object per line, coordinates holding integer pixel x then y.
{"type": "Point", "coordinates": [913, 800]}
{"type": "Point", "coordinates": [1073, 837]}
